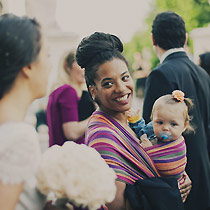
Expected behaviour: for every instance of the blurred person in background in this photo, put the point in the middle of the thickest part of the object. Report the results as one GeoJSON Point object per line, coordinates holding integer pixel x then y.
{"type": "Point", "coordinates": [177, 71]}
{"type": "Point", "coordinates": [69, 106]}
{"type": "Point", "coordinates": [204, 61]}
{"type": "Point", "coordinates": [141, 68]}
{"type": "Point", "coordinates": [24, 72]}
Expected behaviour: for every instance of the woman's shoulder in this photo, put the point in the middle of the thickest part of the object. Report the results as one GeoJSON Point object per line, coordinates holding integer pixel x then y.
{"type": "Point", "coordinates": [100, 126]}
{"type": "Point", "coordinates": [9, 130]}
{"type": "Point", "coordinates": [63, 88]}
{"type": "Point", "coordinates": [98, 117]}
{"type": "Point", "coordinates": [62, 94]}
{"type": "Point", "coordinates": [19, 152]}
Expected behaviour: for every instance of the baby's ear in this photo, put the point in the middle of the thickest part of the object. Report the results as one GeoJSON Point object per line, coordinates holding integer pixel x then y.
{"type": "Point", "coordinates": [185, 126]}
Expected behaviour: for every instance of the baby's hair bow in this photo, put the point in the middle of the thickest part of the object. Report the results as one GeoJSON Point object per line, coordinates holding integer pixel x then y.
{"type": "Point", "coordinates": [178, 95]}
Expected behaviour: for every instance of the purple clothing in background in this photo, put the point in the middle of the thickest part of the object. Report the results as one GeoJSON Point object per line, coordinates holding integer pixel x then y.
{"type": "Point", "coordinates": [62, 107]}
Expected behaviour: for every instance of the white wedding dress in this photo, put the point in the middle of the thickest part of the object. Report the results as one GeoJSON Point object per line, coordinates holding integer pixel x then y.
{"type": "Point", "coordinates": [19, 159]}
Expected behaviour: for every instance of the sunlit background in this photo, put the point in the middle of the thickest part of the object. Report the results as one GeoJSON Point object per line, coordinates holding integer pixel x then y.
{"type": "Point", "coordinates": [66, 22]}
{"type": "Point", "coordinates": [121, 17]}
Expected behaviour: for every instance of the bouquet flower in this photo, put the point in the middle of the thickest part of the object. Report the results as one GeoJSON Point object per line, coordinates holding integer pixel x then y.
{"type": "Point", "coordinates": [77, 172]}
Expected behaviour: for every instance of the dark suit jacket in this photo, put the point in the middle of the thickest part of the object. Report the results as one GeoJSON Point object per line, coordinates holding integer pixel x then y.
{"type": "Point", "coordinates": [178, 72]}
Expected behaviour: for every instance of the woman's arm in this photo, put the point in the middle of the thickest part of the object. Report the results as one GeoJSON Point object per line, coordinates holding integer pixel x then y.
{"type": "Point", "coordinates": [118, 203]}
{"type": "Point", "coordinates": [9, 195]}
{"type": "Point", "coordinates": [74, 130]}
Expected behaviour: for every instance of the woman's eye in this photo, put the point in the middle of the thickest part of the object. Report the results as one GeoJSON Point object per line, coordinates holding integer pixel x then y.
{"type": "Point", "coordinates": [107, 84]}
{"type": "Point", "coordinates": [125, 78]}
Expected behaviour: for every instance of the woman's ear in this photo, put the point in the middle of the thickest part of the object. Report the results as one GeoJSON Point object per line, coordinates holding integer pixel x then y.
{"type": "Point", "coordinates": [26, 70]}
{"type": "Point", "coordinates": [92, 91]}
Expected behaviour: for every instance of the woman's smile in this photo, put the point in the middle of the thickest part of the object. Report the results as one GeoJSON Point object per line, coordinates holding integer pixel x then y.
{"type": "Point", "coordinates": [123, 99]}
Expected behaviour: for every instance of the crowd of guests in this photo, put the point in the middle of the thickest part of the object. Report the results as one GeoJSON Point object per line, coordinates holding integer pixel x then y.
{"type": "Point", "coordinates": [99, 115]}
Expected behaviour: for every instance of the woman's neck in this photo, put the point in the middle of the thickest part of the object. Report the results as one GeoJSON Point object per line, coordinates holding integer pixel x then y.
{"type": "Point", "coordinates": [13, 107]}
{"type": "Point", "coordinates": [120, 117]}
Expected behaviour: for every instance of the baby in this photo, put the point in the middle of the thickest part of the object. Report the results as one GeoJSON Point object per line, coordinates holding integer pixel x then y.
{"type": "Point", "coordinates": [170, 118]}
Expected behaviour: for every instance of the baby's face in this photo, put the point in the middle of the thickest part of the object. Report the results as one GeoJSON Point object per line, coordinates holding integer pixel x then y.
{"type": "Point", "coordinates": [168, 121]}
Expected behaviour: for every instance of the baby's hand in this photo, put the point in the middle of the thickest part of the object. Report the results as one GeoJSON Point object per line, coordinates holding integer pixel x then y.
{"type": "Point", "coordinates": [145, 142]}
{"type": "Point", "coordinates": [133, 115]}
{"type": "Point", "coordinates": [131, 112]}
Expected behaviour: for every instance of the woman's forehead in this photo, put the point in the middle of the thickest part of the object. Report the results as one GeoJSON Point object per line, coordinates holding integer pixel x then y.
{"type": "Point", "coordinates": [115, 67]}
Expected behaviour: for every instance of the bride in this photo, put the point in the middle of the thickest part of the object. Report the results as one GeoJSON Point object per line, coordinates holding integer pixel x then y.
{"type": "Point", "coordinates": [24, 70]}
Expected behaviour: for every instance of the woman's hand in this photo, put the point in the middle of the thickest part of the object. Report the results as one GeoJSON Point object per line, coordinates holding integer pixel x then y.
{"type": "Point", "coordinates": [185, 187]}
{"type": "Point", "coordinates": [118, 203]}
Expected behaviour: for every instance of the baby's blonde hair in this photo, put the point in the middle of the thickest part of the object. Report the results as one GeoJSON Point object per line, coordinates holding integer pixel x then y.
{"type": "Point", "coordinates": [187, 104]}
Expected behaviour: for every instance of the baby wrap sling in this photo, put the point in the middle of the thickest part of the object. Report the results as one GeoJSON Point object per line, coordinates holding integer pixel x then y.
{"type": "Point", "coordinates": [169, 158]}
{"type": "Point", "coordinates": [120, 149]}
{"type": "Point", "coordinates": [131, 163]}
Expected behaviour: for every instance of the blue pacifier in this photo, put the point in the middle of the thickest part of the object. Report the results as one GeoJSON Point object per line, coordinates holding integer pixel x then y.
{"type": "Point", "coordinates": [163, 136]}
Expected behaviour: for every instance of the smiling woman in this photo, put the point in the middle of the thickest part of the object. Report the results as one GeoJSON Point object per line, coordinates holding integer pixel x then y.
{"type": "Point", "coordinates": [111, 87]}
{"type": "Point", "coordinates": [114, 87]}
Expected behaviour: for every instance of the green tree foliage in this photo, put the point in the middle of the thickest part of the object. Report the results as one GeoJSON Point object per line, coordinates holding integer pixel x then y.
{"type": "Point", "coordinates": [139, 41]}
{"type": "Point", "coordinates": [196, 13]}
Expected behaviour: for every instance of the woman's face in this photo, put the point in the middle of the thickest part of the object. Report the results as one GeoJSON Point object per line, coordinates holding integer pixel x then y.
{"type": "Point", "coordinates": [41, 69]}
{"type": "Point", "coordinates": [77, 74]}
{"type": "Point", "coordinates": [114, 87]}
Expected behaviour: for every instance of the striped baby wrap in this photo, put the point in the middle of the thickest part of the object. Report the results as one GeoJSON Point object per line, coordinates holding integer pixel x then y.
{"type": "Point", "coordinates": [169, 157]}
{"type": "Point", "coordinates": [119, 148]}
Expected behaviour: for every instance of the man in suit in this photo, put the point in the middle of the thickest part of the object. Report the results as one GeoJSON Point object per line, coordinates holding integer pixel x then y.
{"type": "Point", "coordinates": [177, 71]}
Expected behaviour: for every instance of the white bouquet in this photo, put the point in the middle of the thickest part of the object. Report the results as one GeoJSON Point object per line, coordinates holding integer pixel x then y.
{"type": "Point", "coordinates": [77, 172]}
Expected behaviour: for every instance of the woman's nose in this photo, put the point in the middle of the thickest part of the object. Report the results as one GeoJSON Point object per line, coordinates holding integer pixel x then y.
{"type": "Point", "coordinates": [120, 87]}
